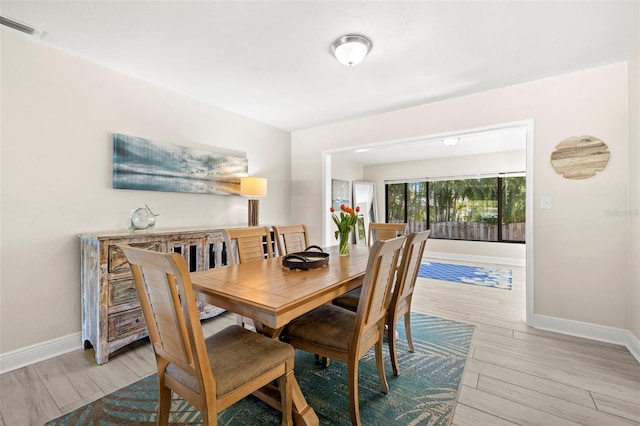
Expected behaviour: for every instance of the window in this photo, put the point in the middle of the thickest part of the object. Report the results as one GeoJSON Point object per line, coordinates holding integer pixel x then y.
{"type": "Point", "coordinates": [417, 205]}
{"type": "Point", "coordinates": [407, 203]}
{"type": "Point", "coordinates": [479, 209]}
{"type": "Point", "coordinates": [396, 195]}
{"type": "Point", "coordinates": [513, 211]}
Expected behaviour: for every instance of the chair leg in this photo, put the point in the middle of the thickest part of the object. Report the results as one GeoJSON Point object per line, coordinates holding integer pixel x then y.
{"type": "Point", "coordinates": [393, 351]}
{"type": "Point", "coordinates": [209, 410]}
{"type": "Point", "coordinates": [354, 405]}
{"type": "Point", "coordinates": [380, 366]}
{"type": "Point", "coordinates": [407, 329]}
{"type": "Point", "coordinates": [286, 397]}
{"type": "Point", "coordinates": [323, 361]}
{"type": "Point", "coordinates": [209, 419]}
{"type": "Point", "coordinates": [164, 405]}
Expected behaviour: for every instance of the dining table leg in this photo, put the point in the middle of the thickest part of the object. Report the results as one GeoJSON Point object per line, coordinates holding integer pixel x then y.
{"type": "Point", "coordinates": [303, 413]}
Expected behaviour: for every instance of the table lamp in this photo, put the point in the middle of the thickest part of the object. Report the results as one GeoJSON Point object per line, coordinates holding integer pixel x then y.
{"type": "Point", "coordinates": [253, 187]}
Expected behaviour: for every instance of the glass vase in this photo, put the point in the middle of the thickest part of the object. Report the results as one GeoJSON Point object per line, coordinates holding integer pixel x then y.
{"type": "Point", "coordinates": [344, 243]}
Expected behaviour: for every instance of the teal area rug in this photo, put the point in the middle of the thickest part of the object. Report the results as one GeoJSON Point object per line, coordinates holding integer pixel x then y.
{"type": "Point", "coordinates": [424, 394]}
{"type": "Point", "coordinates": [464, 274]}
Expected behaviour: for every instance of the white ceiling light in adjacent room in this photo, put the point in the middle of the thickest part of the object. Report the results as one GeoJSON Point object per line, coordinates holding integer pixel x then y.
{"type": "Point", "coordinates": [351, 49]}
{"type": "Point", "coordinates": [450, 141]}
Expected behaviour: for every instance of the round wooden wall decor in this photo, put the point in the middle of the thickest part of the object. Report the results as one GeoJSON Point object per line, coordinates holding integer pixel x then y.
{"type": "Point", "coordinates": [580, 157]}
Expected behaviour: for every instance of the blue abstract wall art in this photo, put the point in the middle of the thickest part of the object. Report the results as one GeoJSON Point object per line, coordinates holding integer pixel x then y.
{"type": "Point", "coordinates": [143, 164]}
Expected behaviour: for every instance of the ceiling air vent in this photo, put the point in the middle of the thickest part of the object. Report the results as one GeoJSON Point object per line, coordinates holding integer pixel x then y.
{"type": "Point", "coordinates": [19, 26]}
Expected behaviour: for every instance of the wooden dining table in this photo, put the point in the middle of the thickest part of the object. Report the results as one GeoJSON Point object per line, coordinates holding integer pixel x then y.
{"type": "Point", "coordinates": [273, 295]}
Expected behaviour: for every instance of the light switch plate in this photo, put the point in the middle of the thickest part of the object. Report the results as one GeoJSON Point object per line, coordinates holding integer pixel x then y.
{"type": "Point", "coordinates": [545, 202]}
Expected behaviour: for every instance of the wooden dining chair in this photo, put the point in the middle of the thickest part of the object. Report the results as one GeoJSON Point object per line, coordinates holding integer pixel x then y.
{"type": "Point", "coordinates": [212, 373]}
{"type": "Point", "coordinates": [345, 336]}
{"type": "Point", "coordinates": [400, 304]}
{"type": "Point", "coordinates": [249, 244]}
{"type": "Point", "coordinates": [292, 238]}
{"type": "Point", "coordinates": [385, 231]}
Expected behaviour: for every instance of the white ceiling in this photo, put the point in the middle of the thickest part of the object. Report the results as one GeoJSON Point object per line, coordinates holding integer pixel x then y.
{"type": "Point", "coordinates": [271, 60]}
{"type": "Point", "coordinates": [495, 140]}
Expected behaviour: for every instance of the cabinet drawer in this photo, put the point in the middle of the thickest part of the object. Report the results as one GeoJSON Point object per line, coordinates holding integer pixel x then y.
{"type": "Point", "coordinates": [122, 291]}
{"type": "Point", "coordinates": [118, 261]}
{"type": "Point", "coordinates": [126, 323]}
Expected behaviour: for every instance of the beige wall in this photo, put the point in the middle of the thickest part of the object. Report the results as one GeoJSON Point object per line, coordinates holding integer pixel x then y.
{"type": "Point", "coordinates": [58, 115]}
{"type": "Point", "coordinates": [581, 245]}
{"type": "Point", "coordinates": [634, 194]}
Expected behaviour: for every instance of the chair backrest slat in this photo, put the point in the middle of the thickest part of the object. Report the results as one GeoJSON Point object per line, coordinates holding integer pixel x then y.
{"type": "Point", "coordinates": [251, 244]}
{"type": "Point", "coordinates": [292, 238]}
{"type": "Point", "coordinates": [163, 296]}
{"type": "Point", "coordinates": [385, 231]}
{"type": "Point", "coordinates": [376, 288]}
{"type": "Point", "coordinates": [410, 264]}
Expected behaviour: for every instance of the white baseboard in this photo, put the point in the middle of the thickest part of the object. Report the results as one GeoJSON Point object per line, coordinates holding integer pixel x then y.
{"type": "Point", "coordinates": [39, 352]}
{"type": "Point", "coordinates": [601, 333]}
{"type": "Point", "coordinates": [634, 346]}
{"type": "Point", "coordinates": [474, 258]}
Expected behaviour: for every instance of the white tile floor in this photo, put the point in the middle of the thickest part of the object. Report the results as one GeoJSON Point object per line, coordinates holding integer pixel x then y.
{"type": "Point", "coordinates": [514, 374]}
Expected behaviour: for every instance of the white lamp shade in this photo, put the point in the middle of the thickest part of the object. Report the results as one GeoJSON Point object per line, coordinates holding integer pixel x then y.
{"type": "Point", "coordinates": [253, 187]}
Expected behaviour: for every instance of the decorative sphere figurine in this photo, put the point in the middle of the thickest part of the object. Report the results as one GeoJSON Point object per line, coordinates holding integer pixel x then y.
{"type": "Point", "coordinates": [143, 218]}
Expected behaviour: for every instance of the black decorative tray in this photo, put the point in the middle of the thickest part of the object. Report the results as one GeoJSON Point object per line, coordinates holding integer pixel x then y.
{"type": "Point", "coordinates": [307, 259]}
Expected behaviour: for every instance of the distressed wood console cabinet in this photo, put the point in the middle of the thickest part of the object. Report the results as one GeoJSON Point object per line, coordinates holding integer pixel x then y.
{"type": "Point", "coordinates": [111, 314]}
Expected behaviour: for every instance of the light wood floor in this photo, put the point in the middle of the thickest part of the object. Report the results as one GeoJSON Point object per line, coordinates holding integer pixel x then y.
{"type": "Point", "coordinates": [514, 374]}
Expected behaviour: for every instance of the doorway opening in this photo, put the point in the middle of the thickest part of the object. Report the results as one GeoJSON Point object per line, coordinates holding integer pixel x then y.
{"type": "Point", "coordinates": [386, 160]}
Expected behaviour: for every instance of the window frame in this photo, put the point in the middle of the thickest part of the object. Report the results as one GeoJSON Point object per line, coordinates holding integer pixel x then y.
{"type": "Point", "coordinates": [500, 181]}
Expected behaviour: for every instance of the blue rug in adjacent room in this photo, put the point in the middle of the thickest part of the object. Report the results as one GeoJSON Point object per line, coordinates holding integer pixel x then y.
{"type": "Point", "coordinates": [486, 277]}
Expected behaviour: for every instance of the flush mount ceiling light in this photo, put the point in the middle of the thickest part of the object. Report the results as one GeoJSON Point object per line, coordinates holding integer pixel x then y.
{"type": "Point", "coordinates": [450, 141]}
{"type": "Point", "coordinates": [351, 49]}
